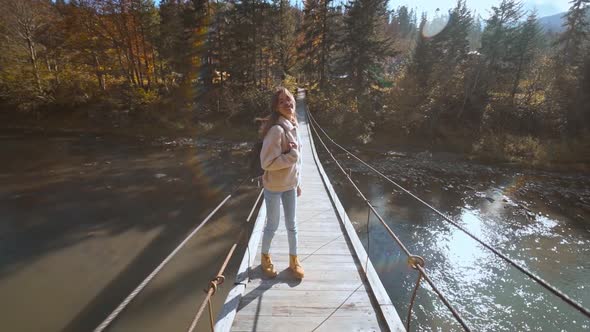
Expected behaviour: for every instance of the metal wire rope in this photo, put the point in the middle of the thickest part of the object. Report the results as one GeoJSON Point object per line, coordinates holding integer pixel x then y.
{"type": "Point", "coordinates": [522, 269]}
{"type": "Point", "coordinates": [149, 278]}
{"type": "Point", "coordinates": [218, 280]}
{"type": "Point", "coordinates": [416, 262]}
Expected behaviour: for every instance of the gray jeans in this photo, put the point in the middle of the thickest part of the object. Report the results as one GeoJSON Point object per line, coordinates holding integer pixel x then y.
{"type": "Point", "coordinates": [273, 214]}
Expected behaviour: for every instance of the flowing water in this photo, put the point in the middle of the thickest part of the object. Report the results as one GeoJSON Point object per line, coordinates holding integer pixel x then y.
{"type": "Point", "coordinates": [540, 219]}
{"type": "Point", "coordinates": [84, 219]}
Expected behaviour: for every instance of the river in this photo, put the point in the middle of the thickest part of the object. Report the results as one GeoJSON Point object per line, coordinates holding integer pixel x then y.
{"type": "Point", "coordinates": [86, 217]}
{"type": "Point", "coordinates": [538, 218]}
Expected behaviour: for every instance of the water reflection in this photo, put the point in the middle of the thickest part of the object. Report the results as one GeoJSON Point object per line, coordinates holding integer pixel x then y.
{"type": "Point", "coordinates": [494, 206]}
{"type": "Point", "coordinates": [85, 218]}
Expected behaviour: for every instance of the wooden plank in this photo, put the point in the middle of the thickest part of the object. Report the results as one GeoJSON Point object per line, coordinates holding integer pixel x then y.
{"type": "Point", "coordinates": [228, 312]}
{"type": "Point", "coordinates": [313, 259]}
{"type": "Point", "coordinates": [316, 276]}
{"type": "Point", "coordinates": [310, 302]}
{"type": "Point", "coordinates": [326, 285]}
{"type": "Point", "coordinates": [272, 324]}
{"type": "Point", "coordinates": [278, 250]}
{"type": "Point", "coordinates": [306, 323]}
{"type": "Point", "coordinates": [392, 319]}
{"type": "Point", "coordinates": [333, 296]}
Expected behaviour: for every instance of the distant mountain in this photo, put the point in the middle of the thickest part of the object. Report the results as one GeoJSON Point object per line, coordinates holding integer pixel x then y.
{"type": "Point", "coordinates": [554, 23]}
{"type": "Point", "coordinates": [544, 7]}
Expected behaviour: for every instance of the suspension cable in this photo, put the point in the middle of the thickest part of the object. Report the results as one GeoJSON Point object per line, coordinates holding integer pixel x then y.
{"type": "Point", "coordinates": [149, 278]}
{"type": "Point", "coordinates": [416, 262]}
{"type": "Point", "coordinates": [255, 204]}
{"type": "Point", "coordinates": [412, 300]}
{"type": "Point", "coordinates": [522, 269]}
{"type": "Point", "coordinates": [218, 280]}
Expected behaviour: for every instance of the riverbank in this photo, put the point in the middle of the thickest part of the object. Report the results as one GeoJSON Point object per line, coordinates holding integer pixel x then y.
{"type": "Point", "coordinates": [538, 218]}
{"type": "Point", "coordinates": [149, 123]}
{"type": "Point", "coordinates": [550, 154]}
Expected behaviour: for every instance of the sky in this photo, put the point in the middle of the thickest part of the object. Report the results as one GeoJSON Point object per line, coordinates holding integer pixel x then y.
{"type": "Point", "coordinates": [544, 7]}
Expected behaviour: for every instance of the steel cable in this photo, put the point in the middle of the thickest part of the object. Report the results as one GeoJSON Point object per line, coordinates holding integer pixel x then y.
{"type": "Point", "coordinates": [411, 258]}
{"type": "Point", "coordinates": [149, 278]}
{"type": "Point", "coordinates": [522, 269]}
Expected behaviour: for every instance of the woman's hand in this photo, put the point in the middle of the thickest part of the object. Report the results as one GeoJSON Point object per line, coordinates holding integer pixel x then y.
{"type": "Point", "coordinates": [293, 145]}
{"type": "Point", "coordinates": [298, 191]}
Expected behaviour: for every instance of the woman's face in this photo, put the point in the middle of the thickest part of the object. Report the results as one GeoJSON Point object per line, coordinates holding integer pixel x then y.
{"type": "Point", "coordinates": [286, 106]}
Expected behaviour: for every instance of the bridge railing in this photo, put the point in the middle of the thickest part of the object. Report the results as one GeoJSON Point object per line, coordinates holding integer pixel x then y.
{"type": "Point", "coordinates": [213, 284]}
{"type": "Point", "coordinates": [417, 262]}
{"type": "Point", "coordinates": [414, 261]}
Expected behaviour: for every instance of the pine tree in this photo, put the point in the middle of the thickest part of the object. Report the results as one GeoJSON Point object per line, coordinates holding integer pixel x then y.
{"type": "Point", "coordinates": [497, 39]}
{"type": "Point", "coordinates": [319, 36]}
{"type": "Point", "coordinates": [475, 33]}
{"type": "Point", "coordinates": [365, 44]}
{"type": "Point", "coordinates": [449, 52]}
{"type": "Point", "coordinates": [420, 65]}
{"type": "Point", "coordinates": [171, 43]}
{"type": "Point", "coordinates": [283, 37]}
{"type": "Point", "coordinates": [451, 44]}
{"type": "Point", "coordinates": [525, 49]}
{"type": "Point", "coordinates": [249, 43]}
{"type": "Point", "coordinates": [573, 39]}
{"type": "Point", "coordinates": [570, 65]}
{"type": "Point", "coordinates": [403, 28]}
{"type": "Point", "coordinates": [310, 39]}
{"type": "Point", "coordinates": [402, 22]}
{"type": "Point", "coordinates": [198, 21]}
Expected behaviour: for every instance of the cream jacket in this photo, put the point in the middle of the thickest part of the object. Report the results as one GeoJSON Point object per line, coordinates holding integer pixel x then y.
{"type": "Point", "coordinates": [281, 164]}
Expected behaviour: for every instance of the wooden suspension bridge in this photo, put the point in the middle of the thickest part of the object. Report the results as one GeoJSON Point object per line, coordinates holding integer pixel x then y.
{"type": "Point", "coordinates": [341, 290]}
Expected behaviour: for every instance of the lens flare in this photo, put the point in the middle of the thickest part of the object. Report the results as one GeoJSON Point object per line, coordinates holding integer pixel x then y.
{"type": "Point", "coordinates": [435, 26]}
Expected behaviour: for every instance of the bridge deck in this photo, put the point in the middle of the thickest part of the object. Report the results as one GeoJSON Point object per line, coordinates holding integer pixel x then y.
{"type": "Point", "coordinates": [334, 295]}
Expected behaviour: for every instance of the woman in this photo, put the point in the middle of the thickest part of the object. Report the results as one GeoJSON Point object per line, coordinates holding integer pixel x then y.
{"type": "Point", "coordinates": [280, 158]}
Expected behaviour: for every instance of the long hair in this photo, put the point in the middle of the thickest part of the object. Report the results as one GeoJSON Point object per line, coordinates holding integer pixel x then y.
{"type": "Point", "coordinates": [272, 119]}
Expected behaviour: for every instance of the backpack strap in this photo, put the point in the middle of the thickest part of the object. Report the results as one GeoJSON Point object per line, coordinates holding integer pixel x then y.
{"type": "Point", "coordinates": [284, 130]}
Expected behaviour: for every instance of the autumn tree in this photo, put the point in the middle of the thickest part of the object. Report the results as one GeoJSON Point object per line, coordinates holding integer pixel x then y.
{"type": "Point", "coordinates": [171, 42]}
{"type": "Point", "coordinates": [22, 22]}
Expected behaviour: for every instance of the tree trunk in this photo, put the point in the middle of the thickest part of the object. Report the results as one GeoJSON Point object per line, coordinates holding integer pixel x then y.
{"type": "Point", "coordinates": [516, 79]}
{"type": "Point", "coordinates": [33, 59]}
{"type": "Point", "coordinates": [220, 47]}
{"type": "Point", "coordinates": [123, 67]}
{"type": "Point", "coordinates": [99, 76]}
{"type": "Point", "coordinates": [323, 59]}
{"type": "Point", "coordinates": [130, 54]}
{"type": "Point", "coordinates": [145, 55]}
{"type": "Point", "coordinates": [57, 79]}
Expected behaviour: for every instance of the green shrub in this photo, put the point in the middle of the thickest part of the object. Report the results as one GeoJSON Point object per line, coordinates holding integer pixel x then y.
{"type": "Point", "coordinates": [255, 102]}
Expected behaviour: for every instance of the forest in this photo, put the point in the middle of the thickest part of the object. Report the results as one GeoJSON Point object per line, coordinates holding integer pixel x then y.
{"type": "Point", "coordinates": [497, 85]}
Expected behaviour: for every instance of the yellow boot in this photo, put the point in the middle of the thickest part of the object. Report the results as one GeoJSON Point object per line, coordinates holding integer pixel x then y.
{"type": "Point", "coordinates": [295, 267]}
{"type": "Point", "coordinates": [267, 267]}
